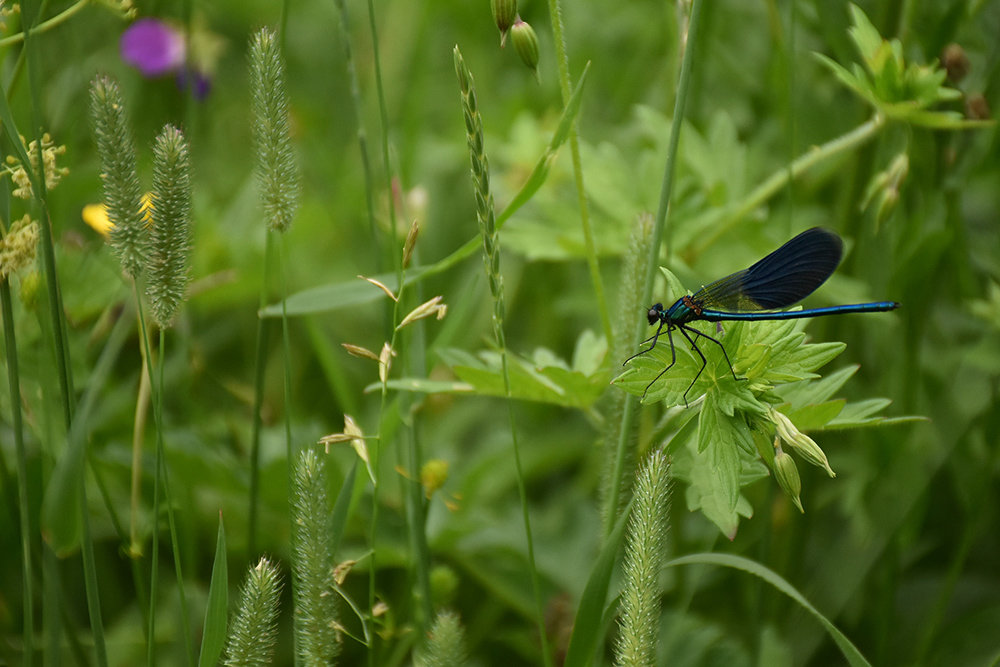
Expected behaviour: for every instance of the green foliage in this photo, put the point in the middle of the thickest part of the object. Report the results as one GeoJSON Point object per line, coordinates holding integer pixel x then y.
{"type": "Point", "coordinates": [902, 91]}
{"type": "Point", "coordinates": [894, 553]}
{"type": "Point", "coordinates": [774, 368]}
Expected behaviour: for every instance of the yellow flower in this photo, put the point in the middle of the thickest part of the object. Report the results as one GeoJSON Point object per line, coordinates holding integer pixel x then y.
{"type": "Point", "coordinates": [96, 215]}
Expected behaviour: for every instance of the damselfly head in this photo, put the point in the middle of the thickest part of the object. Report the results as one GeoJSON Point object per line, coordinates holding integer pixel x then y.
{"type": "Point", "coordinates": [653, 314]}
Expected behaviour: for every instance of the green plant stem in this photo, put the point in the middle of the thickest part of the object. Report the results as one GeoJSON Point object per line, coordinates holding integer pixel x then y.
{"type": "Point", "coordinates": [387, 167]}
{"type": "Point", "coordinates": [260, 365]}
{"type": "Point", "coordinates": [384, 118]}
{"type": "Point", "coordinates": [171, 519]}
{"type": "Point", "coordinates": [413, 493]}
{"type": "Point", "coordinates": [45, 26]}
{"type": "Point", "coordinates": [523, 493]}
{"type": "Point", "coordinates": [780, 178]}
{"type": "Point", "coordinates": [138, 429]}
{"type": "Point", "coordinates": [160, 479]}
{"type": "Point", "coordinates": [659, 223]}
{"type": "Point", "coordinates": [376, 455]}
{"type": "Point", "coordinates": [352, 75]}
{"type": "Point", "coordinates": [555, 12]}
{"type": "Point", "coordinates": [14, 384]}
{"type": "Point", "coordinates": [286, 353]}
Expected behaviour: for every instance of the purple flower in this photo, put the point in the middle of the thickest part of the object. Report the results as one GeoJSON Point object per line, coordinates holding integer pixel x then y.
{"type": "Point", "coordinates": [153, 47]}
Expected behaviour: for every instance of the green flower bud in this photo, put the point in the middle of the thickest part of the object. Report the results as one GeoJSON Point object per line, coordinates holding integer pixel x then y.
{"type": "Point", "coordinates": [787, 475]}
{"type": "Point", "coordinates": [504, 14]}
{"type": "Point", "coordinates": [444, 585]}
{"type": "Point", "coordinates": [31, 284]}
{"type": "Point", "coordinates": [799, 441]}
{"type": "Point", "coordinates": [526, 44]}
{"type": "Point", "coordinates": [433, 475]}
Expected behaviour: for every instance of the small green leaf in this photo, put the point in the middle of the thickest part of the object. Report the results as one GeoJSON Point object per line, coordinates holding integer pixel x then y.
{"type": "Point", "coordinates": [816, 391]}
{"type": "Point", "coordinates": [546, 378]}
{"type": "Point", "coordinates": [816, 416]}
{"type": "Point", "coordinates": [865, 36]}
{"type": "Point", "coordinates": [214, 632]}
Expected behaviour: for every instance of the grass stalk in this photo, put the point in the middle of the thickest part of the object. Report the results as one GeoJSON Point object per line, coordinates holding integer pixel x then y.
{"type": "Point", "coordinates": [279, 187]}
{"type": "Point", "coordinates": [260, 366]}
{"type": "Point", "coordinates": [486, 214]}
{"type": "Point", "coordinates": [393, 319]}
{"type": "Point", "coordinates": [352, 75]}
{"type": "Point", "coordinates": [689, 40]}
{"type": "Point", "coordinates": [161, 485]}
{"type": "Point", "coordinates": [555, 13]}
{"type": "Point", "coordinates": [24, 517]}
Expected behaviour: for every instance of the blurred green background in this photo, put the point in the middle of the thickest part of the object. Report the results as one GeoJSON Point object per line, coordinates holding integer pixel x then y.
{"type": "Point", "coordinates": [899, 550]}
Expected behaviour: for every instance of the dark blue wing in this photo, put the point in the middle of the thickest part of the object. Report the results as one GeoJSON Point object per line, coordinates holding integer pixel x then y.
{"type": "Point", "coordinates": [786, 276]}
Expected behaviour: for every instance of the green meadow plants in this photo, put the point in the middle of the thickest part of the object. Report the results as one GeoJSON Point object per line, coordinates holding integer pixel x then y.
{"type": "Point", "coordinates": [230, 439]}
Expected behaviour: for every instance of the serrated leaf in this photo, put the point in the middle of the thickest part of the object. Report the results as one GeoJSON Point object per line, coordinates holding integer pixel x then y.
{"type": "Point", "coordinates": [863, 33]}
{"type": "Point", "coordinates": [815, 355]}
{"type": "Point", "coordinates": [546, 379]}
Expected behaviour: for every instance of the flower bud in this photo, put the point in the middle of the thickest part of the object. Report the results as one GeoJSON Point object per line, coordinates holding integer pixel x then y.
{"type": "Point", "coordinates": [411, 241]}
{"type": "Point", "coordinates": [976, 107]}
{"type": "Point", "coordinates": [526, 44]}
{"type": "Point", "coordinates": [504, 14]}
{"type": "Point", "coordinates": [787, 475]}
{"type": "Point", "coordinates": [955, 62]}
{"type": "Point", "coordinates": [802, 443]}
{"type": "Point", "coordinates": [433, 475]}
{"type": "Point", "coordinates": [31, 284]}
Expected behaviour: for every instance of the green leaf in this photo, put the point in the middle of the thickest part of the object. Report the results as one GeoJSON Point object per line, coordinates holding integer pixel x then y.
{"type": "Point", "coordinates": [817, 415]}
{"type": "Point", "coordinates": [849, 79]}
{"type": "Point", "coordinates": [816, 391]}
{"type": "Point", "coordinates": [865, 36]}
{"type": "Point", "coordinates": [848, 649]}
{"type": "Point", "coordinates": [546, 378]}
{"type": "Point", "coordinates": [214, 632]}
